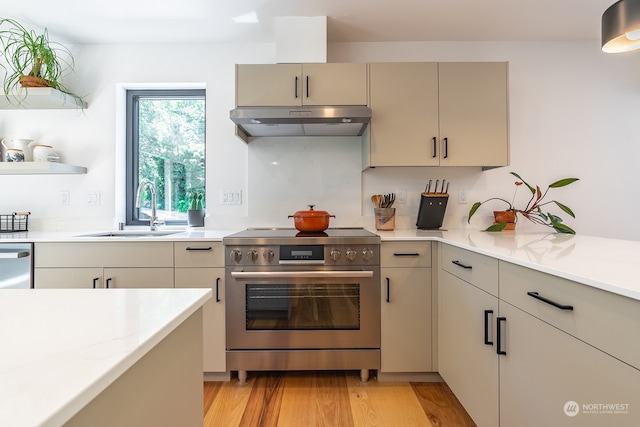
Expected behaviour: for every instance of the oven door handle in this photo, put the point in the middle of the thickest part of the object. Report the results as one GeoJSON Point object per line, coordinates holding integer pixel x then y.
{"type": "Point", "coordinates": [299, 274]}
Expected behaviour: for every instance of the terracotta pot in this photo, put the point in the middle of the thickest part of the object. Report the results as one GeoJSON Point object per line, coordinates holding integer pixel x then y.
{"type": "Point", "coordinates": [311, 221]}
{"type": "Point", "coordinates": [31, 81]}
{"type": "Point", "coordinates": [506, 216]}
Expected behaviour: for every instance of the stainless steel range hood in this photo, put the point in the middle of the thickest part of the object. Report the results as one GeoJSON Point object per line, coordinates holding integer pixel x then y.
{"type": "Point", "coordinates": [300, 121]}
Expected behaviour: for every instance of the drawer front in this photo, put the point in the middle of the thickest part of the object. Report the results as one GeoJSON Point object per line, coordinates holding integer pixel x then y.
{"type": "Point", "coordinates": [199, 254]}
{"type": "Point", "coordinates": [104, 254]}
{"type": "Point", "coordinates": [405, 254]}
{"type": "Point", "coordinates": [605, 320]}
{"type": "Point", "coordinates": [477, 269]}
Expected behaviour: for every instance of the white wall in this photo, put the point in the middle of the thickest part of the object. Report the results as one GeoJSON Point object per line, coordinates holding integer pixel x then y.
{"type": "Point", "coordinates": [573, 111]}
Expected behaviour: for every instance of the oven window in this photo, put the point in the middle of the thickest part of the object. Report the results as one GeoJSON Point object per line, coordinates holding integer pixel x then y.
{"type": "Point", "coordinates": [303, 307]}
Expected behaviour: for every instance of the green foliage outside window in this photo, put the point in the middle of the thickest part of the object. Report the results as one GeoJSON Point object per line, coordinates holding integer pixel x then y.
{"type": "Point", "coordinates": [171, 145]}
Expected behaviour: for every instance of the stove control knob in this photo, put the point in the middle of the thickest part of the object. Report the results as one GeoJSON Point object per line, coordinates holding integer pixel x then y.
{"type": "Point", "coordinates": [252, 255]}
{"type": "Point", "coordinates": [367, 254]}
{"type": "Point", "coordinates": [235, 255]}
{"type": "Point", "coordinates": [268, 255]}
{"type": "Point", "coordinates": [351, 254]}
{"type": "Point", "coordinates": [334, 254]}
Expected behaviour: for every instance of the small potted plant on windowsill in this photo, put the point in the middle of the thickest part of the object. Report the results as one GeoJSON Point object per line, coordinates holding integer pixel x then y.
{"type": "Point", "coordinates": [32, 60]}
{"type": "Point", "coordinates": [196, 213]}
{"type": "Point", "coordinates": [505, 220]}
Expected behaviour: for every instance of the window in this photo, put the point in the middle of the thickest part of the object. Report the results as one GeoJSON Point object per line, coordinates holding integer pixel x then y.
{"type": "Point", "coordinates": [166, 147]}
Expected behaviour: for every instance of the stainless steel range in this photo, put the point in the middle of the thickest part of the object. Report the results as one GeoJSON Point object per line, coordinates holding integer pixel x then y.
{"type": "Point", "coordinates": [302, 301]}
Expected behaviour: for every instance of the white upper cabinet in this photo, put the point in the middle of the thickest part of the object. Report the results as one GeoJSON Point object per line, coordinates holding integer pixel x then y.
{"type": "Point", "coordinates": [438, 114]}
{"type": "Point", "coordinates": [273, 85]}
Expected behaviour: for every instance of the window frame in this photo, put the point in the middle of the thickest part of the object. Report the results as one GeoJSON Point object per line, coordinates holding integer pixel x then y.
{"type": "Point", "coordinates": [132, 97]}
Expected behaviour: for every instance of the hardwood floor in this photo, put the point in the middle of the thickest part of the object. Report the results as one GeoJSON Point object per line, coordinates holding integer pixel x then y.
{"type": "Point", "coordinates": [335, 399]}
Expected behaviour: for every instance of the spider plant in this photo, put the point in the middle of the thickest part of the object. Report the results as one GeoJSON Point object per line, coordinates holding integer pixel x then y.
{"type": "Point", "coordinates": [27, 53]}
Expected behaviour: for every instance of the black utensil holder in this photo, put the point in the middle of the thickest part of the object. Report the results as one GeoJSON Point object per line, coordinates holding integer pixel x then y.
{"type": "Point", "coordinates": [431, 210]}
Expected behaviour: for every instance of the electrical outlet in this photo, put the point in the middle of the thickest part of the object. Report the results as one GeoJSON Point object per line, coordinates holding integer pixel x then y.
{"type": "Point", "coordinates": [64, 197]}
{"type": "Point", "coordinates": [462, 196]}
{"type": "Point", "coordinates": [93, 198]}
{"type": "Point", "coordinates": [401, 197]}
{"type": "Point", "coordinates": [231, 197]}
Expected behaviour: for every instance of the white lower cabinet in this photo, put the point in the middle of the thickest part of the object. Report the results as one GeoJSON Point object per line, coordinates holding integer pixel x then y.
{"type": "Point", "coordinates": [103, 265]}
{"type": "Point", "coordinates": [467, 358]}
{"type": "Point", "coordinates": [406, 308]}
{"type": "Point", "coordinates": [550, 378]}
{"type": "Point", "coordinates": [528, 355]}
{"type": "Point", "coordinates": [201, 265]}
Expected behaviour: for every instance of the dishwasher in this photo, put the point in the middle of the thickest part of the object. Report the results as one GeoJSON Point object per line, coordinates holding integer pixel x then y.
{"type": "Point", "coordinates": [16, 265]}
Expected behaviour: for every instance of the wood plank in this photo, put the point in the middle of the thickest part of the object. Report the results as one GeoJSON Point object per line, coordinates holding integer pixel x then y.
{"type": "Point", "coordinates": [385, 404]}
{"type": "Point", "coordinates": [441, 405]}
{"type": "Point", "coordinates": [210, 392]}
{"type": "Point", "coordinates": [315, 399]}
{"type": "Point", "coordinates": [263, 406]}
{"type": "Point", "coordinates": [229, 404]}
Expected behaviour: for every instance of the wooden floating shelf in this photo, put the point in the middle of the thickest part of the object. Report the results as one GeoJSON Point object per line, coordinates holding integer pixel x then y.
{"type": "Point", "coordinates": [40, 98]}
{"type": "Point", "coordinates": [39, 168]}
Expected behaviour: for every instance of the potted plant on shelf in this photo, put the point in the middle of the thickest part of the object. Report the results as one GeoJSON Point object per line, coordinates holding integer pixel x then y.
{"type": "Point", "coordinates": [32, 60]}
{"type": "Point", "coordinates": [196, 213]}
{"type": "Point", "coordinates": [532, 211]}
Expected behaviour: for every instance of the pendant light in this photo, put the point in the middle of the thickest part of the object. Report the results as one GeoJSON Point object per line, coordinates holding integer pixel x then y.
{"type": "Point", "coordinates": [621, 27]}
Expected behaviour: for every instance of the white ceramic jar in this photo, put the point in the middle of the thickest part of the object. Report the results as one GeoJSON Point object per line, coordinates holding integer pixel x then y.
{"type": "Point", "coordinates": [41, 152]}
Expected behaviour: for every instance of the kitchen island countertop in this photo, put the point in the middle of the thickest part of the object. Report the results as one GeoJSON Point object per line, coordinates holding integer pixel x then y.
{"type": "Point", "coordinates": [63, 347]}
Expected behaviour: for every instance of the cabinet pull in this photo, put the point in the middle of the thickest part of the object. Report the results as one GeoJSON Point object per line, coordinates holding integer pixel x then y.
{"type": "Point", "coordinates": [95, 281]}
{"type": "Point", "coordinates": [307, 86]}
{"type": "Point", "coordinates": [388, 293]}
{"type": "Point", "coordinates": [435, 147]}
{"type": "Point", "coordinates": [296, 87]}
{"type": "Point", "coordinates": [406, 254]}
{"type": "Point", "coordinates": [459, 264]}
{"type": "Point", "coordinates": [551, 302]}
{"type": "Point", "coordinates": [198, 249]}
{"type": "Point", "coordinates": [218, 289]}
{"type": "Point", "coordinates": [108, 282]}
{"type": "Point", "coordinates": [499, 349]}
{"type": "Point", "coordinates": [487, 324]}
{"type": "Point", "coordinates": [446, 148]}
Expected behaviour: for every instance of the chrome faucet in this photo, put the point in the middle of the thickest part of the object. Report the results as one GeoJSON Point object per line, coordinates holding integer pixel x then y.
{"type": "Point", "coordinates": [153, 221]}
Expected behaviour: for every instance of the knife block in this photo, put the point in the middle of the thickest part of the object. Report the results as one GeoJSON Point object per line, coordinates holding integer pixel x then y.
{"type": "Point", "coordinates": [431, 210]}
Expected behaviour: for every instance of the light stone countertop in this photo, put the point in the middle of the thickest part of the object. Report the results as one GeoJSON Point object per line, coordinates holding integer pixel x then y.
{"type": "Point", "coordinates": [609, 264]}
{"type": "Point", "coordinates": [63, 347]}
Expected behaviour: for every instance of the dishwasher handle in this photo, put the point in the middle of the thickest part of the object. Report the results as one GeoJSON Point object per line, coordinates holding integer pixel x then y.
{"type": "Point", "coordinates": [13, 253]}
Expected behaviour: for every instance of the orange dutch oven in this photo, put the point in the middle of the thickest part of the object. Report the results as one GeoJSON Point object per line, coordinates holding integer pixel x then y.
{"type": "Point", "coordinates": [311, 220]}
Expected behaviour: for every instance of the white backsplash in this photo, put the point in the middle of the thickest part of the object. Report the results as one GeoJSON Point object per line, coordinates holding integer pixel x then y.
{"type": "Point", "coordinates": [288, 174]}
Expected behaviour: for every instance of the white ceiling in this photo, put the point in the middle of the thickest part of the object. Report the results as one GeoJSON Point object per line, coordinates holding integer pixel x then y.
{"type": "Point", "coordinates": [117, 21]}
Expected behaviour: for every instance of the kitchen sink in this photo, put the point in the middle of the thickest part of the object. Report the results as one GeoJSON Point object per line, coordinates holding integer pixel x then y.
{"type": "Point", "coordinates": [133, 233]}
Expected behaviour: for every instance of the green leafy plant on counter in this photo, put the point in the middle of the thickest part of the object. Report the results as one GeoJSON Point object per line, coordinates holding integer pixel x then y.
{"type": "Point", "coordinates": [31, 59]}
{"type": "Point", "coordinates": [533, 210]}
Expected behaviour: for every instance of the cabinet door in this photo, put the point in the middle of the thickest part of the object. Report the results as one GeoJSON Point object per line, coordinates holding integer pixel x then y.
{"type": "Point", "coordinates": [138, 277]}
{"type": "Point", "coordinates": [63, 278]}
{"type": "Point", "coordinates": [406, 320]}
{"type": "Point", "coordinates": [268, 85]}
{"type": "Point", "coordinates": [334, 84]}
{"type": "Point", "coordinates": [474, 114]}
{"type": "Point", "coordinates": [214, 350]}
{"type": "Point", "coordinates": [404, 125]}
{"type": "Point", "coordinates": [465, 362]}
{"type": "Point", "coordinates": [545, 370]}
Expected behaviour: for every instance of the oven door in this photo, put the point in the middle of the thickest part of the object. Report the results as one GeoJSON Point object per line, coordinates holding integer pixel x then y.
{"type": "Point", "coordinates": [302, 308]}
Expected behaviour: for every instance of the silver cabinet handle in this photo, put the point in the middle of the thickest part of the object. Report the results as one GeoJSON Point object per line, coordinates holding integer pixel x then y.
{"type": "Point", "coordinates": [299, 274]}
